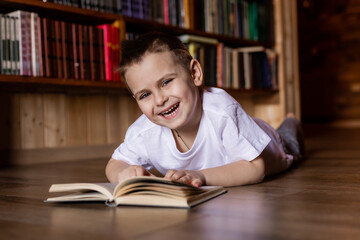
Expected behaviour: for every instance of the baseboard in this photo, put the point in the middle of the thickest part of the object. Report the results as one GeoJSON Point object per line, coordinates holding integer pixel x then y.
{"type": "Point", "coordinates": [51, 155]}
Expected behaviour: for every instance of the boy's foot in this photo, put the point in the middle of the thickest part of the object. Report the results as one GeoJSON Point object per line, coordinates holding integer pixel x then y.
{"type": "Point", "coordinates": [292, 136]}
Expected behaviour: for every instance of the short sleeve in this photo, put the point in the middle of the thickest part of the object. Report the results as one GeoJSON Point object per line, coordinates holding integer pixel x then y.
{"type": "Point", "coordinates": [242, 138]}
{"type": "Point", "coordinates": [132, 151]}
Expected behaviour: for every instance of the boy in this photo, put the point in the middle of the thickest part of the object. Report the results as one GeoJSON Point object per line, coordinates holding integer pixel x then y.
{"type": "Point", "coordinates": [191, 134]}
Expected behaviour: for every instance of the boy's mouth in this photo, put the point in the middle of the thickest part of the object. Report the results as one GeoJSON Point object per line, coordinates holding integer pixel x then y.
{"type": "Point", "coordinates": [171, 111]}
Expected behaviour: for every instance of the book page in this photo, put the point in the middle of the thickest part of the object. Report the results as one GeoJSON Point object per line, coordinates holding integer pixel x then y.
{"type": "Point", "coordinates": [104, 188]}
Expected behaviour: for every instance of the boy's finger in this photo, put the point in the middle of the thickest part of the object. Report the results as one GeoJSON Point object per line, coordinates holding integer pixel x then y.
{"type": "Point", "coordinates": [169, 174]}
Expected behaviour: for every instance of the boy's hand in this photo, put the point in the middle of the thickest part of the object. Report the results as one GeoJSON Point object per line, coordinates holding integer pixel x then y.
{"type": "Point", "coordinates": [194, 178]}
{"type": "Point", "coordinates": [133, 171]}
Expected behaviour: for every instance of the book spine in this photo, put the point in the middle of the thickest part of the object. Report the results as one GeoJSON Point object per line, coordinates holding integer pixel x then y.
{"type": "Point", "coordinates": [46, 53]}
{"type": "Point", "coordinates": [247, 80]}
{"type": "Point", "coordinates": [166, 12]}
{"type": "Point", "coordinates": [59, 57]}
{"type": "Point", "coordinates": [86, 52]}
{"type": "Point", "coordinates": [116, 55]}
{"type": "Point", "coordinates": [41, 47]}
{"type": "Point", "coordinates": [75, 51]}
{"type": "Point", "coordinates": [107, 51]}
{"type": "Point", "coordinates": [25, 21]}
{"type": "Point", "coordinates": [92, 45]}
{"type": "Point", "coordinates": [220, 66]}
{"type": "Point", "coordinates": [5, 45]}
{"type": "Point", "coordinates": [35, 45]}
{"type": "Point", "coordinates": [53, 50]}
{"type": "Point", "coordinates": [15, 46]}
{"type": "Point", "coordinates": [11, 28]}
{"type": "Point", "coordinates": [64, 46]}
{"type": "Point", "coordinates": [81, 51]}
{"type": "Point", "coordinates": [101, 52]}
{"type": "Point", "coordinates": [69, 50]}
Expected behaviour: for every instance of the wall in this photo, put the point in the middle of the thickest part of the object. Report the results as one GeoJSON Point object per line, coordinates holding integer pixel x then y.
{"type": "Point", "coordinates": [329, 52]}
{"type": "Point", "coordinates": [66, 125]}
{"type": "Point", "coordinates": [51, 127]}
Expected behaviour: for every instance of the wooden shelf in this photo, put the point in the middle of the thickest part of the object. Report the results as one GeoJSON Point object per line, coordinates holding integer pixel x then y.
{"type": "Point", "coordinates": [16, 83]}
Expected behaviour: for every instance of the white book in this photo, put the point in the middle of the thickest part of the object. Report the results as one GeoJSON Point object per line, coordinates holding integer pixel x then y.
{"type": "Point", "coordinates": [192, 38]}
{"type": "Point", "coordinates": [24, 34]}
{"type": "Point", "coordinates": [35, 44]}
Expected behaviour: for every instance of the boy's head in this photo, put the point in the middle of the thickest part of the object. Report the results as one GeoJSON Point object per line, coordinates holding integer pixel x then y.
{"type": "Point", "coordinates": [133, 51]}
{"type": "Point", "coordinates": [164, 80]}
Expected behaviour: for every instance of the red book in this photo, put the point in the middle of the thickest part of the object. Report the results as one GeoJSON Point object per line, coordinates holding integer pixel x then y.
{"type": "Point", "coordinates": [107, 51]}
{"type": "Point", "coordinates": [64, 49]}
{"type": "Point", "coordinates": [116, 53]}
{"type": "Point", "coordinates": [41, 48]}
{"type": "Point", "coordinates": [101, 52]}
{"type": "Point", "coordinates": [53, 50]}
{"type": "Point", "coordinates": [46, 44]}
{"type": "Point", "coordinates": [75, 50]}
{"type": "Point", "coordinates": [166, 12]}
{"type": "Point", "coordinates": [58, 46]}
{"type": "Point", "coordinates": [81, 51]}
{"type": "Point", "coordinates": [92, 46]}
{"type": "Point", "coordinates": [70, 51]}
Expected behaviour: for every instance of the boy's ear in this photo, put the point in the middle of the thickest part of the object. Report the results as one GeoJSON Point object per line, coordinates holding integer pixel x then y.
{"type": "Point", "coordinates": [196, 72]}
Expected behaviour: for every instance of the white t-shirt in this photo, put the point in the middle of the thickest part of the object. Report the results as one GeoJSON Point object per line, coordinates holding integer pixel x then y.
{"type": "Point", "coordinates": [226, 134]}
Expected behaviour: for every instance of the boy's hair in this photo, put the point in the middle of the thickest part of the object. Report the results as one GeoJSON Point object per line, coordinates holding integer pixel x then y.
{"type": "Point", "coordinates": [133, 51]}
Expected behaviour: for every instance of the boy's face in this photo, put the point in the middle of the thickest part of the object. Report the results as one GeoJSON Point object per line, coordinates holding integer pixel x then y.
{"type": "Point", "coordinates": [165, 92]}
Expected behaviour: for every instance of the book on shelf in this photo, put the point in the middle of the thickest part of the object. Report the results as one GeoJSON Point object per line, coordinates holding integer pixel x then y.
{"type": "Point", "coordinates": [37, 46]}
{"type": "Point", "coordinates": [20, 38]}
{"type": "Point", "coordinates": [253, 67]}
{"type": "Point", "coordinates": [249, 19]}
{"type": "Point", "coordinates": [137, 191]}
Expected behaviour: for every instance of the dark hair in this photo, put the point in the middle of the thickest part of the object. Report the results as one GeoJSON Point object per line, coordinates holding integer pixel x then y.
{"type": "Point", "coordinates": [133, 51]}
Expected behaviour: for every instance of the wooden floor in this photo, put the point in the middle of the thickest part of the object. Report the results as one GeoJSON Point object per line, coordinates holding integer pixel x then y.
{"type": "Point", "coordinates": [320, 199]}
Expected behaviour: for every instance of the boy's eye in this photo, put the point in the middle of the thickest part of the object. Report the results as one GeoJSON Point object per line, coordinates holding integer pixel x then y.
{"type": "Point", "coordinates": [144, 95]}
{"type": "Point", "coordinates": [166, 82]}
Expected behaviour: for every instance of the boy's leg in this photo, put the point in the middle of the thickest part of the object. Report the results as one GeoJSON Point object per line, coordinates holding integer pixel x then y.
{"type": "Point", "coordinates": [292, 137]}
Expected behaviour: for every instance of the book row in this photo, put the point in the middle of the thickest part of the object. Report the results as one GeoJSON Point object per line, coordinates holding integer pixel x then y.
{"type": "Point", "coordinates": [248, 19]}
{"type": "Point", "coordinates": [36, 46]}
{"type": "Point", "coordinates": [235, 68]}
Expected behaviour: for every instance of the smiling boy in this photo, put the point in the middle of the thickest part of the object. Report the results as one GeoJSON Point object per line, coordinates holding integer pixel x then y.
{"type": "Point", "coordinates": [187, 133]}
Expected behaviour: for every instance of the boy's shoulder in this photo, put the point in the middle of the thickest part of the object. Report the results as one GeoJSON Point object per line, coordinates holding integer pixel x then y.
{"type": "Point", "coordinates": [218, 100]}
{"type": "Point", "coordinates": [140, 126]}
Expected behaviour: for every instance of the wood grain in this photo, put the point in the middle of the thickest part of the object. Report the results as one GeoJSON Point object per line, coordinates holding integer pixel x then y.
{"type": "Point", "coordinates": [32, 121]}
{"type": "Point", "coordinates": [55, 120]}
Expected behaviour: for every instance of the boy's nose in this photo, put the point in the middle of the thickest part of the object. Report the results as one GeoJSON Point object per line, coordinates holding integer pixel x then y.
{"type": "Point", "coordinates": [160, 99]}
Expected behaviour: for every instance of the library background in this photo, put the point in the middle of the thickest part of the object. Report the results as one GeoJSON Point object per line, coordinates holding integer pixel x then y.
{"type": "Point", "coordinates": [60, 96]}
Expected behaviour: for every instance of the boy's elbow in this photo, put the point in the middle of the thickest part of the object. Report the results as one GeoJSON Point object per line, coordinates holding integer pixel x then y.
{"type": "Point", "coordinates": [259, 170]}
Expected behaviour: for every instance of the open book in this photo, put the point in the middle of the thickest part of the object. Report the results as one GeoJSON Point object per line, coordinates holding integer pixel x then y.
{"type": "Point", "coordinates": [137, 191]}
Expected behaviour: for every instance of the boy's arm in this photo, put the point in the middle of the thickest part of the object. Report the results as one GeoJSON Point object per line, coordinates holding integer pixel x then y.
{"type": "Point", "coordinates": [233, 174]}
{"type": "Point", "coordinates": [117, 171]}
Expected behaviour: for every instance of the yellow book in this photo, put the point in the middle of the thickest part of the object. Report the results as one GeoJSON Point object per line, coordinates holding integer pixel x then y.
{"type": "Point", "coordinates": [137, 191]}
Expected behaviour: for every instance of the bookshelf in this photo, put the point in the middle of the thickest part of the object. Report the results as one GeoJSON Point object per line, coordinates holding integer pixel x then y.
{"type": "Point", "coordinates": [111, 98]}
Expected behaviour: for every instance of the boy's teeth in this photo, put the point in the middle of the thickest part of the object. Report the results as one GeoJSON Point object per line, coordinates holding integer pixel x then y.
{"type": "Point", "coordinates": [170, 111]}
